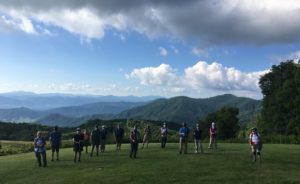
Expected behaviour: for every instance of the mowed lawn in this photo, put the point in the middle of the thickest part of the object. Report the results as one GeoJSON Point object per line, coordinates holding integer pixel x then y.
{"type": "Point", "coordinates": [229, 164]}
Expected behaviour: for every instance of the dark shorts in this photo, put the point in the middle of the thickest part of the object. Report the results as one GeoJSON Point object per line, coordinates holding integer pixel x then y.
{"type": "Point", "coordinates": [78, 147]}
{"type": "Point", "coordinates": [119, 140]}
{"type": "Point", "coordinates": [55, 148]}
{"type": "Point", "coordinates": [96, 143]}
{"type": "Point", "coordinates": [86, 143]}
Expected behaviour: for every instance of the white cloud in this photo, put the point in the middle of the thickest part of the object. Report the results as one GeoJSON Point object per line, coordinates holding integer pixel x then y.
{"type": "Point", "coordinates": [19, 23]}
{"type": "Point", "coordinates": [206, 22]}
{"type": "Point", "coordinates": [157, 76]}
{"type": "Point", "coordinates": [163, 51]}
{"type": "Point", "coordinates": [216, 76]}
{"type": "Point", "coordinates": [200, 77]}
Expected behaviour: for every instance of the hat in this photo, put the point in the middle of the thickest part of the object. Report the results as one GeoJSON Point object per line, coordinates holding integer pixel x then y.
{"type": "Point", "coordinates": [254, 129]}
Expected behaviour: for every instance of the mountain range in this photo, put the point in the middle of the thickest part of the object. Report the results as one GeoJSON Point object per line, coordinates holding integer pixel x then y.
{"type": "Point", "coordinates": [56, 100]}
{"type": "Point", "coordinates": [177, 109]}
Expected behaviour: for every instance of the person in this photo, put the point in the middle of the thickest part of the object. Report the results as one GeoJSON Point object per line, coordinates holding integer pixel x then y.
{"type": "Point", "coordinates": [197, 139]}
{"type": "Point", "coordinates": [183, 138]}
{"type": "Point", "coordinates": [103, 135]}
{"type": "Point", "coordinates": [87, 139]}
{"type": "Point", "coordinates": [78, 145]}
{"type": "Point", "coordinates": [40, 149]}
{"type": "Point", "coordinates": [147, 135]}
{"type": "Point", "coordinates": [134, 142]}
{"type": "Point", "coordinates": [95, 137]}
{"type": "Point", "coordinates": [255, 143]}
{"type": "Point", "coordinates": [55, 142]}
{"type": "Point", "coordinates": [119, 135]}
{"type": "Point", "coordinates": [213, 136]}
{"type": "Point", "coordinates": [164, 134]}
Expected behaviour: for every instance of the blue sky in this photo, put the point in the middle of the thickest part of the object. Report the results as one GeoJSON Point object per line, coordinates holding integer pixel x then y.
{"type": "Point", "coordinates": [193, 48]}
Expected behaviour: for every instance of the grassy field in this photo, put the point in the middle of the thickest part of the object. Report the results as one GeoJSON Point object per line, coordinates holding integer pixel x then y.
{"type": "Point", "coordinates": [230, 164]}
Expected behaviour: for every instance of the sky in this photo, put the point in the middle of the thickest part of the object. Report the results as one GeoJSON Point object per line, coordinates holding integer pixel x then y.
{"type": "Point", "coordinates": [196, 48]}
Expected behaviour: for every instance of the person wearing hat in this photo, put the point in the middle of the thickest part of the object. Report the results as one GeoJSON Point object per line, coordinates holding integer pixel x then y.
{"type": "Point", "coordinates": [78, 145]}
{"type": "Point", "coordinates": [164, 135]}
{"type": "Point", "coordinates": [103, 135]}
{"type": "Point", "coordinates": [40, 149]}
{"type": "Point", "coordinates": [55, 142]}
{"type": "Point", "coordinates": [197, 139]}
{"type": "Point", "coordinates": [255, 143]}
{"type": "Point", "coordinates": [183, 138]}
{"type": "Point", "coordinates": [119, 135]}
{"type": "Point", "coordinates": [213, 136]}
{"type": "Point", "coordinates": [134, 142]}
{"type": "Point", "coordinates": [95, 137]}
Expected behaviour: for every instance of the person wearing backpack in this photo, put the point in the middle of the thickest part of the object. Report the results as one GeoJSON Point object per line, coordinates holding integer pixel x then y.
{"type": "Point", "coordinates": [255, 144]}
{"type": "Point", "coordinates": [55, 142]}
{"type": "Point", "coordinates": [183, 138]}
{"type": "Point", "coordinates": [95, 137]}
{"type": "Point", "coordinates": [197, 139]}
{"type": "Point", "coordinates": [40, 149]}
{"type": "Point", "coordinates": [78, 145]}
{"type": "Point", "coordinates": [213, 136]}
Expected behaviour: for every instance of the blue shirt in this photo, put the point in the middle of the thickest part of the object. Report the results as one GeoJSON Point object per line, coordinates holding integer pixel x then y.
{"type": "Point", "coordinates": [55, 138]}
{"type": "Point", "coordinates": [183, 132]}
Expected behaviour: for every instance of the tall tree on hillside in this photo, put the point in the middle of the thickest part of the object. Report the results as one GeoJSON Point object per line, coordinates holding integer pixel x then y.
{"type": "Point", "coordinates": [281, 99]}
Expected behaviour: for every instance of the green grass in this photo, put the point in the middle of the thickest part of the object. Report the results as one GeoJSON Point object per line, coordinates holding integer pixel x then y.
{"type": "Point", "coordinates": [230, 164]}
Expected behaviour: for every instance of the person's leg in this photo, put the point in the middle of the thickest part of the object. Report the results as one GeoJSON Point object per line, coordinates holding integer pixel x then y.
{"type": "Point", "coordinates": [185, 146]}
{"type": "Point", "coordinates": [104, 143]}
{"type": "Point", "coordinates": [75, 156]}
{"type": "Point", "coordinates": [38, 157]}
{"type": "Point", "coordinates": [165, 141]}
{"type": "Point", "coordinates": [79, 156]}
{"type": "Point", "coordinates": [253, 147]}
{"type": "Point", "coordinates": [180, 145]}
{"type": "Point", "coordinates": [93, 146]}
{"type": "Point", "coordinates": [44, 158]}
{"type": "Point", "coordinates": [196, 146]}
{"type": "Point", "coordinates": [97, 149]}
{"type": "Point", "coordinates": [200, 145]}
{"type": "Point", "coordinates": [131, 149]}
{"type": "Point", "coordinates": [162, 142]}
{"type": "Point", "coordinates": [136, 149]}
{"type": "Point", "coordinates": [210, 142]}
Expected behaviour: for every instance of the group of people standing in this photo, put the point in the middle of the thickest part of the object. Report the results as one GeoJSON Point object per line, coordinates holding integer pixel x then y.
{"type": "Point", "coordinates": [97, 139]}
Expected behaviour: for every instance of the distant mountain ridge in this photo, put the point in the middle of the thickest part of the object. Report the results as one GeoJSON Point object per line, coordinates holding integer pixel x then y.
{"type": "Point", "coordinates": [55, 100]}
{"type": "Point", "coordinates": [190, 110]}
{"type": "Point", "coordinates": [177, 109]}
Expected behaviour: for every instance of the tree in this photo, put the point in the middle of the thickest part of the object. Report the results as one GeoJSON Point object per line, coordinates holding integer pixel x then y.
{"type": "Point", "coordinates": [281, 99]}
{"type": "Point", "coordinates": [226, 121]}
